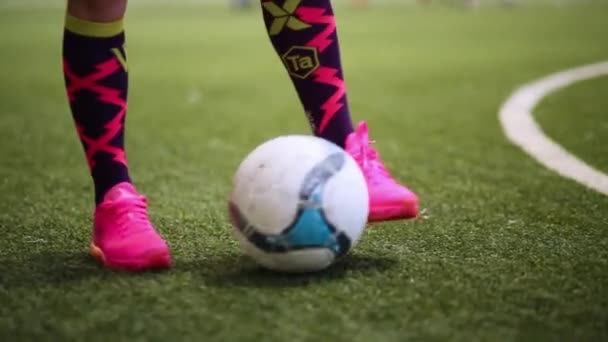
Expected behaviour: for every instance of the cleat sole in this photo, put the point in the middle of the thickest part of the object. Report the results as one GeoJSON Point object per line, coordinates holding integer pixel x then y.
{"type": "Point", "coordinates": [158, 258]}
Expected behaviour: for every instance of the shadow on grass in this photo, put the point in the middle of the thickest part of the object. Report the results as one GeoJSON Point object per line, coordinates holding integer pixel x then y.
{"type": "Point", "coordinates": [48, 268]}
{"type": "Point", "coordinates": [58, 269]}
{"type": "Point", "coordinates": [240, 271]}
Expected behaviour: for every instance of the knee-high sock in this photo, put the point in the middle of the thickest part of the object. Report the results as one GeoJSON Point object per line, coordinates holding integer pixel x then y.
{"type": "Point", "coordinates": [95, 70]}
{"type": "Point", "coordinates": [303, 33]}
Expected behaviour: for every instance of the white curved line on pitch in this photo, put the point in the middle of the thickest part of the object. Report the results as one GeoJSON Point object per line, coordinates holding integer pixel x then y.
{"type": "Point", "coordinates": [519, 126]}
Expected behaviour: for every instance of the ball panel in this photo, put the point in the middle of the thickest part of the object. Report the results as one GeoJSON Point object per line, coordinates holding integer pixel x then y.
{"type": "Point", "coordinates": [346, 201]}
{"type": "Point", "coordinates": [296, 261]}
{"type": "Point", "coordinates": [270, 179]}
{"type": "Point", "coordinates": [298, 203]}
{"type": "Point", "coordinates": [310, 230]}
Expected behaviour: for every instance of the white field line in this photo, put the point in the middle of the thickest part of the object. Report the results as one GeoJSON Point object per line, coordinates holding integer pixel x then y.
{"type": "Point", "coordinates": [519, 126]}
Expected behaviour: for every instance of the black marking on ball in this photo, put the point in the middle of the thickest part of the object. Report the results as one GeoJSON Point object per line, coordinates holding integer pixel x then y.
{"type": "Point", "coordinates": [313, 184]}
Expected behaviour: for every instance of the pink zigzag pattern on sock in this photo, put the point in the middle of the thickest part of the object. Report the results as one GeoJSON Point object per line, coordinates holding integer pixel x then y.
{"type": "Point", "coordinates": [332, 105]}
{"type": "Point", "coordinates": [106, 94]}
{"type": "Point", "coordinates": [325, 75]}
{"type": "Point", "coordinates": [313, 15]}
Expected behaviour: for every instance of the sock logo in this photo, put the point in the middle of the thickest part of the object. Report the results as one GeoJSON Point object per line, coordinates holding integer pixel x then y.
{"type": "Point", "coordinates": [301, 61]}
{"type": "Point", "coordinates": [284, 16]}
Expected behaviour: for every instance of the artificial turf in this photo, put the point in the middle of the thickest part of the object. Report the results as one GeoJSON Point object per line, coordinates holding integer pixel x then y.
{"type": "Point", "coordinates": [504, 249]}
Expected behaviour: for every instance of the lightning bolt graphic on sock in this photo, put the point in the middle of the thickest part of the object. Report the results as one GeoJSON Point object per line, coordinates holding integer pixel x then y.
{"type": "Point", "coordinates": [105, 94]}
{"type": "Point", "coordinates": [333, 104]}
{"type": "Point", "coordinates": [325, 75]}
{"type": "Point", "coordinates": [314, 15]}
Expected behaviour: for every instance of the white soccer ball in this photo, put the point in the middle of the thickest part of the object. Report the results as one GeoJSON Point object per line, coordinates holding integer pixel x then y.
{"type": "Point", "coordinates": [298, 203]}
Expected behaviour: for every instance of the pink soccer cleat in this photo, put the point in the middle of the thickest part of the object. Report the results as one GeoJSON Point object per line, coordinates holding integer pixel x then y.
{"type": "Point", "coordinates": [388, 200]}
{"type": "Point", "coordinates": [123, 237]}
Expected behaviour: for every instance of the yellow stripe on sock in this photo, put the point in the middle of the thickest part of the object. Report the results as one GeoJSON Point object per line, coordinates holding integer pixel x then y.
{"type": "Point", "coordinates": [121, 58]}
{"type": "Point", "coordinates": [92, 29]}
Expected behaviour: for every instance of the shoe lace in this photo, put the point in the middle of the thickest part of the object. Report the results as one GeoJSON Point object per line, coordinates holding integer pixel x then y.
{"type": "Point", "coordinates": [131, 215]}
{"type": "Point", "coordinates": [369, 160]}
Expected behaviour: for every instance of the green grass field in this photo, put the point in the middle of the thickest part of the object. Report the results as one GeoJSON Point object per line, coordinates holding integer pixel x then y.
{"type": "Point", "coordinates": [506, 250]}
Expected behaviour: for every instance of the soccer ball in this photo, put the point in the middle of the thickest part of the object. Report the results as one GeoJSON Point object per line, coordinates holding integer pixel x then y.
{"type": "Point", "coordinates": [298, 203]}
